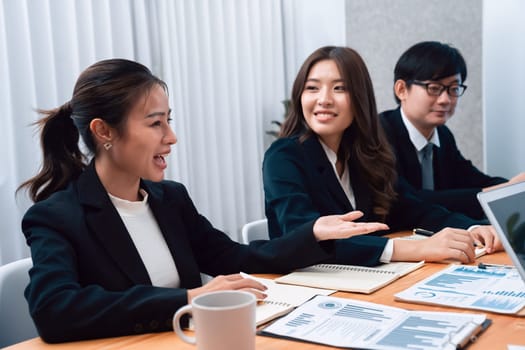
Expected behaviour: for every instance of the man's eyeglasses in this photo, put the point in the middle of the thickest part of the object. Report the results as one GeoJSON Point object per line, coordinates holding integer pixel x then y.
{"type": "Point", "coordinates": [436, 89]}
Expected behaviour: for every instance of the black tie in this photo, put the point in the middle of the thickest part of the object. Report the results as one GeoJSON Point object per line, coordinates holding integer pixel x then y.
{"type": "Point", "coordinates": [426, 167]}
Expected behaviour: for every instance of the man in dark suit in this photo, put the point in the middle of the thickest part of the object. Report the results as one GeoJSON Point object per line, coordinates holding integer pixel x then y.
{"type": "Point", "coordinates": [428, 82]}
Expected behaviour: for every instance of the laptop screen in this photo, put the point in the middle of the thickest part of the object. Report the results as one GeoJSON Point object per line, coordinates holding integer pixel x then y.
{"type": "Point", "coordinates": [505, 208]}
{"type": "Point", "coordinates": [510, 213]}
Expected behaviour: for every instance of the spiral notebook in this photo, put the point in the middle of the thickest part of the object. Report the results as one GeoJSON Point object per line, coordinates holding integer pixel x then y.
{"type": "Point", "coordinates": [349, 278]}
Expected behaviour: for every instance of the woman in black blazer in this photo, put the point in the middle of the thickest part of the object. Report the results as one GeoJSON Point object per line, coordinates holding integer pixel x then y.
{"type": "Point", "coordinates": [332, 157]}
{"type": "Point", "coordinates": [116, 250]}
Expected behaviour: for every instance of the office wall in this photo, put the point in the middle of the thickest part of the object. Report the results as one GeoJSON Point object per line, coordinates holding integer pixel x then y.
{"type": "Point", "coordinates": [308, 26]}
{"type": "Point", "coordinates": [381, 30]}
{"type": "Point", "coordinates": [504, 86]}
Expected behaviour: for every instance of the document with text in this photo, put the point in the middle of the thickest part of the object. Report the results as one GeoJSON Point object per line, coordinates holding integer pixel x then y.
{"type": "Point", "coordinates": [349, 323]}
{"type": "Point", "coordinates": [495, 289]}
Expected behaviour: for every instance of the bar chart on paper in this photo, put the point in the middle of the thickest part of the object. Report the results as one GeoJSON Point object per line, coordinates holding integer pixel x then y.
{"type": "Point", "coordinates": [499, 290]}
{"type": "Point", "coordinates": [500, 300]}
{"type": "Point", "coordinates": [418, 332]}
{"type": "Point", "coordinates": [301, 320]}
{"type": "Point", "coordinates": [362, 313]}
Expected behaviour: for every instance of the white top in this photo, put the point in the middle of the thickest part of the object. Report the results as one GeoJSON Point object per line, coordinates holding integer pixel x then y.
{"type": "Point", "coordinates": [149, 241]}
{"type": "Point", "coordinates": [344, 181]}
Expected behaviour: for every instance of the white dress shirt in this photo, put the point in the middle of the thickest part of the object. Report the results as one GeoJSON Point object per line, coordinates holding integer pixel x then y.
{"type": "Point", "coordinates": [418, 140]}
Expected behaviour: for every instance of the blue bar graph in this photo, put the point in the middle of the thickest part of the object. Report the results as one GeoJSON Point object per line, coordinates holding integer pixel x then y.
{"type": "Point", "coordinates": [417, 332]}
{"type": "Point", "coordinates": [497, 304]}
{"type": "Point", "coordinates": [301, 320]}
{"type": "Point", "coordinates": [450, 281]}
{"type": "Point", "coordinates": [506, 293]}
{"type": "Point", "coordinates": [363, 313]}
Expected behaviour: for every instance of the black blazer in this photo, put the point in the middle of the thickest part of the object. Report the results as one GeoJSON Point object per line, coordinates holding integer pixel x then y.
{"type": "Point", "coordinates": [300, 185]}
{"type": "Point", "coordinates": [88, 280]}
{"type": "Point", "coordinates": [456, 180]}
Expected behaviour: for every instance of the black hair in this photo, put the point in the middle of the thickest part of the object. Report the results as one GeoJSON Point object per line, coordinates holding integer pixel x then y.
{"type": "Point", "coordinates": [429, 60]}
{"type": "Point", "coordinates": [107, 90]}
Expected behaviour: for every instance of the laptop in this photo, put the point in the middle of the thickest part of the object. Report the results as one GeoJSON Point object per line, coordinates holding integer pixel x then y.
{"type": "Point", "coordinates": [505, 209]}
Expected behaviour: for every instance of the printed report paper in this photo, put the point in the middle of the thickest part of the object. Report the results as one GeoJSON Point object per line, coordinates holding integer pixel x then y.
{"type": "Point", "coordinates": [496, 289]}
{"type": "Point", "coordinates": [352, 323]}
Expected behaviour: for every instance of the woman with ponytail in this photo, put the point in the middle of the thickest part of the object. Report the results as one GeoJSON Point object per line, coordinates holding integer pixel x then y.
{"type": "Point", "coordinates": [117, 249]}
{"type": "Point", "coordinates": [332, 157]}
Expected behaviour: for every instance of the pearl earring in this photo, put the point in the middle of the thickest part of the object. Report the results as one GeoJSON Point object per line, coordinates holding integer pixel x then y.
{"type": "Point", "coordinates": [107, 145]}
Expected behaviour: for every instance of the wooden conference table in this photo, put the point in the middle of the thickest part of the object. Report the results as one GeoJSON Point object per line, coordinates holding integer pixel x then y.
{"type": "Point", "coordinates": [503, 331]}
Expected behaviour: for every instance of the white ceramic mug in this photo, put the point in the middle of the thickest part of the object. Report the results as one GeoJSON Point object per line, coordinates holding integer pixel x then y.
{"type": "Point", "coordinates": [223, 320]}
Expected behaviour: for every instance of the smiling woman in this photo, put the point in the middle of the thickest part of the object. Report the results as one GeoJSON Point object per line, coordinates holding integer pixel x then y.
{"type": "Point", "coordinates": [141, 150]}
{"type": "Point", "coordinates": [326, 103]}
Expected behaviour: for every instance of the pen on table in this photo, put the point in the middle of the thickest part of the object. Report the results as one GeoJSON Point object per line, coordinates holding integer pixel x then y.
{"type": "Point", "coordinates": [421, 231]}
{"type": "Point", "coordinates": [485, 266]}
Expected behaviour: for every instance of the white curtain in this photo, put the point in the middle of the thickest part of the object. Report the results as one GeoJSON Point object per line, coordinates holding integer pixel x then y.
{"type": "Point", "coordinates": [222, 60]}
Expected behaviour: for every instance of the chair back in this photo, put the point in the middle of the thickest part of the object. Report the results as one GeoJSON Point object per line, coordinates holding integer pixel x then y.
{"type": "Point", "coordinates": [255, 230]}
{"type": "Point", "coordinates": [16, 324]}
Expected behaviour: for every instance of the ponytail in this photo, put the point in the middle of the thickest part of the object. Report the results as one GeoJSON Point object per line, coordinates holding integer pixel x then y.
{"type": "Point", "coordinates": [108, 90]}
{"type": "Point", "coordinates": [62, 158]}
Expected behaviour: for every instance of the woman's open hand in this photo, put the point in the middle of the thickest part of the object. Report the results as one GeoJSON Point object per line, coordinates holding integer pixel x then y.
{"type": "Point", "coordinates": [343, 226]}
